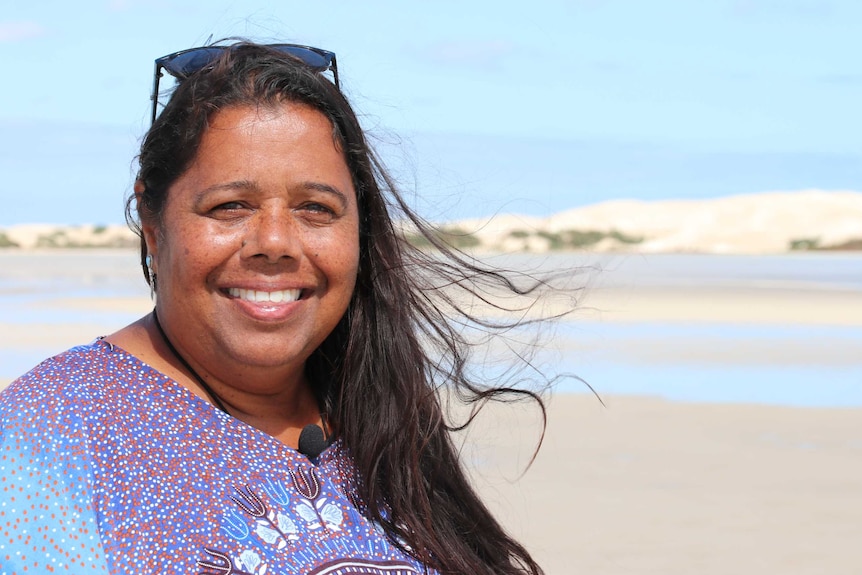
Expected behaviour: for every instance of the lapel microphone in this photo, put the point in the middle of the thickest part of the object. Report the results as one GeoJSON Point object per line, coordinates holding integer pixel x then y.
{"type": "Point", "coordinates": [312, 441]}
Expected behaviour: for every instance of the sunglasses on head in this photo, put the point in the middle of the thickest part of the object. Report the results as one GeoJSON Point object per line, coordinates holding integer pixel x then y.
{"type": "Point", "coordinates": [184, 63]}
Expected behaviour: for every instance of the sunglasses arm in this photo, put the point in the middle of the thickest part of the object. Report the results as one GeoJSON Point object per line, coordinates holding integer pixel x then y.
{"type": "Point", "coordinates": [334, 68]}
{"type": "Point", "coordinates": [155, 96]}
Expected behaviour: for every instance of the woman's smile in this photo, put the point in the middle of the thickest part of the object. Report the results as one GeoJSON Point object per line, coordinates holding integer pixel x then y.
{"type": "Point", "coordinates": [266, 305]}
{"type": "Point", "coordinates": [260, 296]}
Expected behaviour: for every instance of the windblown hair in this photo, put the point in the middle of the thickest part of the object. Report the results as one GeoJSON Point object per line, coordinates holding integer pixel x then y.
{"type": "Point", "coordinates": [404, 347]}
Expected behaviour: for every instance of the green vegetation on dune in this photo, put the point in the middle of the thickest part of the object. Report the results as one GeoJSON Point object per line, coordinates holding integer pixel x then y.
{"type": "Point", "coordinates": [55, 239]}
{"type": "Point", "coordinates": [449, 235]}
{"type": "Point", "coordinates": [802, 244]}
{"type": "Point", "coordinates": [849, 245]}
{"type": "Point", "coordinates": [60, 239]}
{"type": "Point", "coordinates": [577, 239]}
{"type": "Point", "coordinates": [6, 242]}
{"type": "Point", "coordinates": [813, 244]}
{"type": "Point", "coordinates": [555, 241]}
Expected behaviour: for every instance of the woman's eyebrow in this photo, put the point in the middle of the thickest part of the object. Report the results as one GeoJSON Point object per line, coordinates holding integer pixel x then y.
{"type": "Point", "coordinates": [235, 185]}
{"type": "Point", "coordinates": [321, 187]}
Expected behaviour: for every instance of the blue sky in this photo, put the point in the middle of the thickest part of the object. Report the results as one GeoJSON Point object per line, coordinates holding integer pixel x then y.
{"type": "Point", "coordinates": [479, 107]}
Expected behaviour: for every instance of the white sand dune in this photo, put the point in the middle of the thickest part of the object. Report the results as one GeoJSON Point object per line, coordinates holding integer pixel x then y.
{"type": "Point", "coordinates": [766, 222]}
{"type": "Point", "coordinates": [30, 236]}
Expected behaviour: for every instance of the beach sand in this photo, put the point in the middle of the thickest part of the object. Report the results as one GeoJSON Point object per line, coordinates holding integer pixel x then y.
{"type": "Point", "coordinates": [642, 485]}
{"type": "Point", "coordinates": [650, 486]}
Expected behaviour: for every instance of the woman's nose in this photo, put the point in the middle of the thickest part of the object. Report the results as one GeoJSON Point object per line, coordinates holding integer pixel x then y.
{"type": "Point", "coordinates": [274, 235]}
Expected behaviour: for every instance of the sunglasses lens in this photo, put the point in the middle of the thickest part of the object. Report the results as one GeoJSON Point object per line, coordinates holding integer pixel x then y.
{"type": "Point", "coordinates": [315, 60]}
{"type": "Point", "coordinates": [187, 63]}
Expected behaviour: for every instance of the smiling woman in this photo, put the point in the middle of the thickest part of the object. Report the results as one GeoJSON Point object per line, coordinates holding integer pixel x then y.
{"type": "Point", "coordinates": [280, 409]}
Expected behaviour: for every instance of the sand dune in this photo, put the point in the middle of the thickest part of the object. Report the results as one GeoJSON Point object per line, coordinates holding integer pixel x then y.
{"type": "Point", "coordinates": [755, 223]}
{"type": "Point", "coordinates": [31, 236]}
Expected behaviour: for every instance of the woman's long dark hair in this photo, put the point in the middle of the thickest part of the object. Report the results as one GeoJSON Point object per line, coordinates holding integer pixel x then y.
{"type": "Point", "coordinates": [401, 332]}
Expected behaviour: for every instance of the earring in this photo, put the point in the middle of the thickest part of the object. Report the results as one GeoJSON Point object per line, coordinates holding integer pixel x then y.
{"type": "Point", "coordinates": [152, 273]}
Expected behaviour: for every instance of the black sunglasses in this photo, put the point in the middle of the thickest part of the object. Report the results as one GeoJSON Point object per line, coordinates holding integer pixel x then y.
{"type": "Point", "coordinates": [183, 64]}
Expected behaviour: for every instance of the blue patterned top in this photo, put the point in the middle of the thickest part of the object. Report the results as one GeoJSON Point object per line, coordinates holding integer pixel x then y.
{"type": "Point", "coordinates": [109, 466]}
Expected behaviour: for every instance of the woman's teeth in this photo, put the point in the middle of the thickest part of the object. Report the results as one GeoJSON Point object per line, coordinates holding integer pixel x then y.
{"type": "Point", "coordinates": [265, 296]}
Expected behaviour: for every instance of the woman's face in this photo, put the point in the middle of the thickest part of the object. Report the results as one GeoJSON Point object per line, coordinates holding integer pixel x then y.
{"type": "Point", "coordinates": [257, 249]}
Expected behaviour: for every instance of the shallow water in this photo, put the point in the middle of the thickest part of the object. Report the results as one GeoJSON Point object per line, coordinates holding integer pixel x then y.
{"type": "Point", "coordinates": [814, 366]}
{"type": "Point", "coordinates": [811, 270]}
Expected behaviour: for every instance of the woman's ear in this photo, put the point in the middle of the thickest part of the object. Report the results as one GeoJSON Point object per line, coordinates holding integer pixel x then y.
{"type": "Point", "coordinates": [147, 226]}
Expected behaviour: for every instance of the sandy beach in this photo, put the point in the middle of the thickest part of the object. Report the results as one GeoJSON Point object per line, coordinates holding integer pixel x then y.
{"type": "Point", "coordinates": [641, 485]}
{"type": "Point", "coordinates": [649, 486]}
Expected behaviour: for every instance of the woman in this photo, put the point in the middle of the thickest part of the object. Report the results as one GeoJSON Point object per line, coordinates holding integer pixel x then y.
{"type": "Point", "coordinates": [285, 301]}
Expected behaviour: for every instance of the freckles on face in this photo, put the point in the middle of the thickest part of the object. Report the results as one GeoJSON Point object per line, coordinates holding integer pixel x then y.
{"type": "Point", "coordinates": [259, 243]}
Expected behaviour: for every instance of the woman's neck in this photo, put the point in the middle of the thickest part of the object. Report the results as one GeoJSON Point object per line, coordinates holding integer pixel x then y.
{"type": "Point", "coordinates": [266, 399]}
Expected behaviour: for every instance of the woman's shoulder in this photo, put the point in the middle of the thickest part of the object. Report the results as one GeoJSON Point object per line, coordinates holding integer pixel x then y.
{"type": "Point", "coordinates": [45, 411]}
{"type": "Point", "coordinates": [71, 380]}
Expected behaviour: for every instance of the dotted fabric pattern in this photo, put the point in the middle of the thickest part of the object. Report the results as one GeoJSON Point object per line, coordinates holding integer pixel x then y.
{"type": "Point", "coordinates": [109, 466]}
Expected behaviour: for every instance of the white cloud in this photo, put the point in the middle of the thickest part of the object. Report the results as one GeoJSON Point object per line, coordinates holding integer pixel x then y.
{"type": "Point", "coordinates": [22, 30]}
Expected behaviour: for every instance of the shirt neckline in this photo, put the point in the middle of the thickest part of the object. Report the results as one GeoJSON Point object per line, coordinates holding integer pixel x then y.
{"type": "Point", "coordinates": [226, 419]}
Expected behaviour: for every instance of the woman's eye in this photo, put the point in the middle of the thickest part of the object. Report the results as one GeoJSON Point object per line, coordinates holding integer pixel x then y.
{"type": "Point", "coordinates": [318, 211]}
{"type": "Point", "coordinates": [318, 208]}
{"type": "Point", "coordinates": [228, 206]}
{"type": "Point", "coordinates": [227, 209]}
